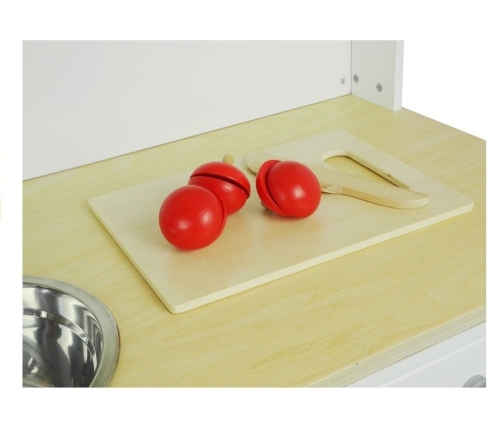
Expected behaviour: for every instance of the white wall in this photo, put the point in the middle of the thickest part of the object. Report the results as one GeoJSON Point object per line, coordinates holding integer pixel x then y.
{"type": "Point", "coordinates": [87, 101]}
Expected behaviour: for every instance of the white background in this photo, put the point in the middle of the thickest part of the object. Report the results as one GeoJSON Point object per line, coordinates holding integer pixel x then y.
{"type": "Point", "coordinates": [450, 81]}
{"type": "Point", "coordinates": [466, 97]}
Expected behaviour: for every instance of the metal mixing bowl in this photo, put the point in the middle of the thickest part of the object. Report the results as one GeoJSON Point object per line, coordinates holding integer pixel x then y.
{"type": "Point", "coordinates": [70, 339]}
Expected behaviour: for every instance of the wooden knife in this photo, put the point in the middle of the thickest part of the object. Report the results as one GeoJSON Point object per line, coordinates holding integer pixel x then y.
{"type": "Point", "coordinates": [336, 182]}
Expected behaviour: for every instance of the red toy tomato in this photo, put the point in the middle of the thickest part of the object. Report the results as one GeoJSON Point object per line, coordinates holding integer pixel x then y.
{"type": "Point", "coordinates": [192, 217]}
{"type": "Point", "coordinates": [288, 188]}
{"type": "Point", "coordinates": [230, 183]}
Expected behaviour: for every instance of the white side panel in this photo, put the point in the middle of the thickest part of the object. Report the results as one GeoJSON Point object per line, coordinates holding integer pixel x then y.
{"type": "Point", "coordinates": [377, 72]}
{"type": "Point", "coordinates": [86, 101]}
{"type": "Point", "coordinates": [450, 363]}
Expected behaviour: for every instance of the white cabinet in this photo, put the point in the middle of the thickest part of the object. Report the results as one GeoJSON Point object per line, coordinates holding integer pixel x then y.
{"type": "Point", "coordinates": [451, 363]}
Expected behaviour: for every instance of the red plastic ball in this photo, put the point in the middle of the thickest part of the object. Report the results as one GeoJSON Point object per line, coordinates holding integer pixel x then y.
{"type": "Point", "coordinates": [192, 217]}
{"type": "Point", "coordinates": [228, 181]}
{"type": "Point", "coordinates": [288, 188]}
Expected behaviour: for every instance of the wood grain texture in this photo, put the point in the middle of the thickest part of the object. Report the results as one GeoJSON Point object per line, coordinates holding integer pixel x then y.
{"type": "Point", "coordinates": [333, 323]}
{"type": "Point", "coordinates": [257, 247]}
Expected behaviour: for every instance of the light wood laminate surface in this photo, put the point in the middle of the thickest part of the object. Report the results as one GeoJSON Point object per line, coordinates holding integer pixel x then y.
{"type": "Point", "coordinates": [328, 325]}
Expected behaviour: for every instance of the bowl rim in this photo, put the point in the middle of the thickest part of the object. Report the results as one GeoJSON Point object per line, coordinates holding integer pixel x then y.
{"type": "Point", "coordinates": [107, 322]}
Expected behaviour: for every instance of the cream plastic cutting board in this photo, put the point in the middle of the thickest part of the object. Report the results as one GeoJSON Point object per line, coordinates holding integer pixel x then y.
{"type": "Point", "coordinates": [257, 247]}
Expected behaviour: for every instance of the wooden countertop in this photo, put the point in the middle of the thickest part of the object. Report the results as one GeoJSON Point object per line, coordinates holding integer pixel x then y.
{"type": "Point", "coordinates": [329, 325]}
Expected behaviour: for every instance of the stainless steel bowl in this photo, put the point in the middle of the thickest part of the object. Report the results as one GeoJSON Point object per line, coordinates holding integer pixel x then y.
{"type": "Point", "coordinates": [70, 339]}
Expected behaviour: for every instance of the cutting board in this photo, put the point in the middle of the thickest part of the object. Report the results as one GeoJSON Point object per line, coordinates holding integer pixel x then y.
{"type": "Point", "coordinates": [256, 246]}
